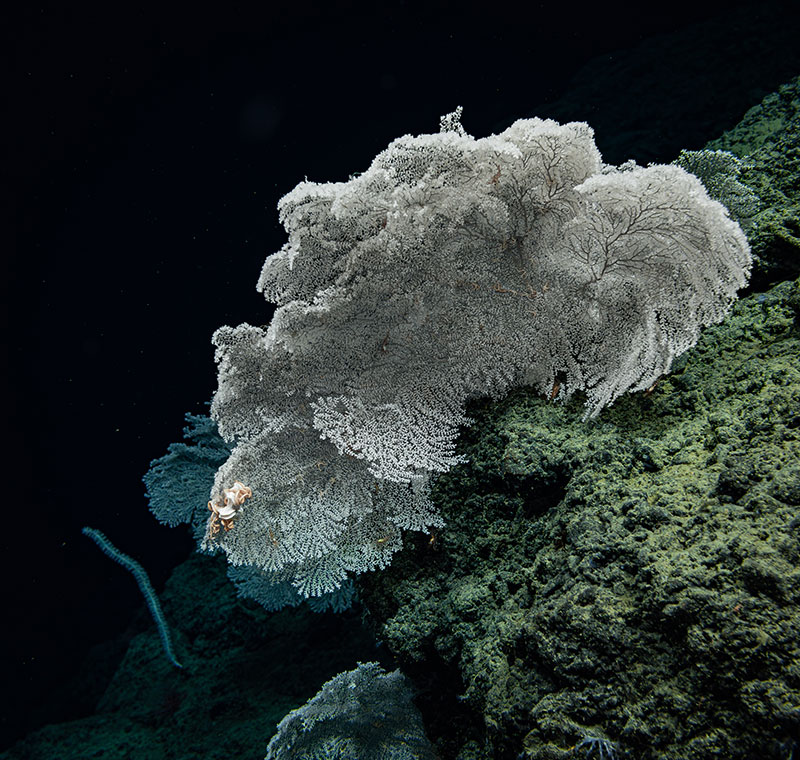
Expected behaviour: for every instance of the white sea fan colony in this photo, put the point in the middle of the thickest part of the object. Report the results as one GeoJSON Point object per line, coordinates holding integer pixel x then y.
{"type": "Point", "coordinates": [452, 268]}
{"type": "Point", "coordinates": [361, 714]}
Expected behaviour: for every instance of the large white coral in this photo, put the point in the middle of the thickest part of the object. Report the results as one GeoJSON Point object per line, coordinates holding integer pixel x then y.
{"type": "Point", "coordinates": [451, 268]}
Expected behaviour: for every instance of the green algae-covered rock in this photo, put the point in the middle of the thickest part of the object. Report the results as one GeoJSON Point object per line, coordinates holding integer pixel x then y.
{"type": "Point", "coordinates": [768, 139]}
{"type": "Point", "coordinates": [636, 578]}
